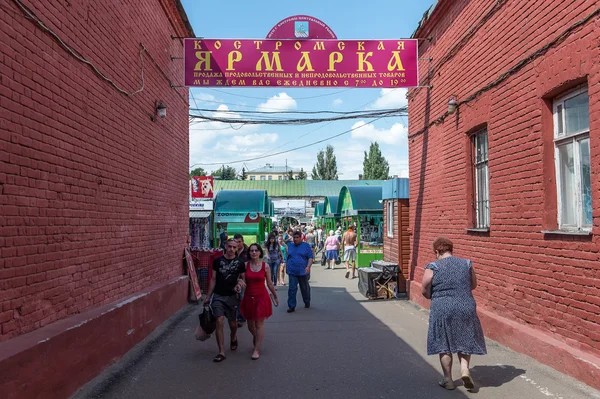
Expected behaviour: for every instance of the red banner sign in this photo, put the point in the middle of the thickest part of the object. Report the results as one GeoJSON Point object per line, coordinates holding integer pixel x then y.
{"type": "Point", "coordinates": [301, 63]}
{"type": "Point", "coordinates": [202, 187]}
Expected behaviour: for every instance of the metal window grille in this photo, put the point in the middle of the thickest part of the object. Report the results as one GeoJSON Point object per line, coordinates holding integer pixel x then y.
{"type": "Point", "coordinates": [482, 187]}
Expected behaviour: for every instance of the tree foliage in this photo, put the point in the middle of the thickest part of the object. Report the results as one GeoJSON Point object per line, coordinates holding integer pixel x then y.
{"type": "Point", "coordinates": [290, 175]}
{"type": "Point", "coordinates": [198, 172]}
{"type": "Point", "coordinates": [302, 174]}
{"type": "Point", "coordinates": [375, 166]}
{"type": "Point", "coordinates": [225, 173]}
{"type": "Point", "coordinates": [326, 167]}
{"type": "Point", "coordinates": [244, 175]}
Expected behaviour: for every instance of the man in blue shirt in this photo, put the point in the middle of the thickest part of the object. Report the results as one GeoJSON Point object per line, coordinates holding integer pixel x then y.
{"type": "Point", "coordinates": [299, 262]}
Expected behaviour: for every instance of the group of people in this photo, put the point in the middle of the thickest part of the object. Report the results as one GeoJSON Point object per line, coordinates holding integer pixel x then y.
{"type": "Point", "coordinates": [242, 274]}
{"type": "Point", "coordinates": [242, 286]}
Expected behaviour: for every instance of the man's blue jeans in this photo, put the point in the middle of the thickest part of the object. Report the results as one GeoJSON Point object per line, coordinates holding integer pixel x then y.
{"type": "Point", "coordinates": [293, 290]}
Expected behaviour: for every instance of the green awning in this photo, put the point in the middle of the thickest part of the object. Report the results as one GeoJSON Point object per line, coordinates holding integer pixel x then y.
{"type": "Point", "coordinates": [319, 209]}
{"type": "Point", "coordinates": [360, 199]}
{"type": "Point", "coordinates": [241, 206]}
{"type": "Point", "coordinates": [330, 206]}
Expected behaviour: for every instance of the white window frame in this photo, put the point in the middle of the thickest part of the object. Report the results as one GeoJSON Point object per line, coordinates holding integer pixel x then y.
{"type": "Point", "coordinates": [263, 178]}
{"type": "Point", "coordinates": [561, 138]}
{"type": "Point", "coordinates": [481, 189]}
{"type": "Point", "coordinates": [390, 218]}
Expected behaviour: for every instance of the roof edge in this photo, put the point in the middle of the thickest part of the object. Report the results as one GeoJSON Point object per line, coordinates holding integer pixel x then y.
{"type": "Point", "coordinates": [432, 13]}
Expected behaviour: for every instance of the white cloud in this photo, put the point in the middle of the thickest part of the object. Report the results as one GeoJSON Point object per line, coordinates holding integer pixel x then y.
{"type": "Point", "coordinates": [391, 98]}
{"type": "Point", "coordinates": [337, 102]}
{"type": "Point", "coordinates": [244, 143]}
{"type": "Point", "coordinates": [279, 102]}
{"type": "Point", "coordinates": [397, 134]}
{"type": "Point", "coordinates": [199, 96]}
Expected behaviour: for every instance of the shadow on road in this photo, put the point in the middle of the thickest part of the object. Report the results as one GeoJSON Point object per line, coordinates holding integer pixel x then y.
{"type": "Point", "coordinates": [495, 376]}
{"type": "Point", "coordinates": [335, 349]}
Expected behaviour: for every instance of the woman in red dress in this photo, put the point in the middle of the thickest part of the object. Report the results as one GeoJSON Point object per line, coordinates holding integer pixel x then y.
{"type": "Point", "coordinates": [256, 305]}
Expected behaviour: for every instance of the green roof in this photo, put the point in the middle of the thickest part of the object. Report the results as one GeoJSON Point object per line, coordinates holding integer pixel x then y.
{"type": "Point", "coordinates": [294, 188]}
{"type": "Point", "coordinates": [275, 188]}
{"type": "Point", "coordinates": [361, 198]}
{"type": "Point", "coordinates": [243, 201]}
{"type": "Point", "coordinates": [325, 188]}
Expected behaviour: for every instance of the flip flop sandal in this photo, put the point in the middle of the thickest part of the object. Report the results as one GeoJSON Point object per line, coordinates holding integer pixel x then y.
{"type": "Point", "coordinates": [255, 357]}
{"type": "Point", "coordinates": [467, 381]}
{"type": "Point", "coordinates": [219, 358]}
{"type": "Point", "coordinates": [233, 345]}
{"type": "Point", "coordinates": [449, 385]}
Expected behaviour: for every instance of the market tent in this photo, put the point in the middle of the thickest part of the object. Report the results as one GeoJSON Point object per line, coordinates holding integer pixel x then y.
{"type": "Point", "coordinates": [355, 199]}
{"type": "Point", "coordinates": [319, 210]}
{"type": "Point", "coordinates": [243, 201]}
{"type": "Point", "coordinates": [330, 206]}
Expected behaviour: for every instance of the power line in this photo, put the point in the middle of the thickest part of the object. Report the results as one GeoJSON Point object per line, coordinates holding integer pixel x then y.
{"type": "Point", "coordinates": [281, 99]}
{"type": "Point", "coordinates": [290, 150]}
{"type": "Point", "coordinates": [258, 120]}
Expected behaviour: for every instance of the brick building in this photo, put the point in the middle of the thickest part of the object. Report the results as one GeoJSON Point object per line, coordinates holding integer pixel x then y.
{"type": "Point", "coordinates": [93, 185]}
{"type": "Point", "coordinates": [512, 176]}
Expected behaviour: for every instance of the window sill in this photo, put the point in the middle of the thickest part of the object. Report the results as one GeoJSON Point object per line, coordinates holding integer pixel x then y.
{"type": "Point", "coordinates": [478, 230]}
{"type": "Point", "coordinates": [568, 232]}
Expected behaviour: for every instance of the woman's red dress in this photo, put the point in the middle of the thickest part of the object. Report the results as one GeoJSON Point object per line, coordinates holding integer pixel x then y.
{"type": "Point", "coordinates": [256, 303]}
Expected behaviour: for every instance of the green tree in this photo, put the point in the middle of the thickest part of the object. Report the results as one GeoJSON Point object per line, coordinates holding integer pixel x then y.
{"type": "Point", "coordinates": [302, 174]}
{"type": "Point", "coordinates": [225, 173]}
{"type": "Point", "coordinates": [198, 172]}
{"type": "Point", "coordinates": [326, 167]}
{"type": "Point", "coordinates": [244, 175]}
{"type": "Point", "coordinates": [290, 175]}
{"type": "Point", "coordinates": [375, 166]}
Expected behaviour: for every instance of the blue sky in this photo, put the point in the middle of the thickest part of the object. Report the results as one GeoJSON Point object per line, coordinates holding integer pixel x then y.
{"type": "Point", "coordinates": [350, 19]}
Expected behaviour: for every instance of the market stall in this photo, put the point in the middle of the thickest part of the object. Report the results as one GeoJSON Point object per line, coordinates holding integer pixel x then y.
{"type": "Point", "coordinates": [331, 215]}
{"type": "Point", "coordinates": [244, 212]}
{"type": "Point", "coordinates": [362, 207]}
{"type": "Point", "coordinates": [318, 214]}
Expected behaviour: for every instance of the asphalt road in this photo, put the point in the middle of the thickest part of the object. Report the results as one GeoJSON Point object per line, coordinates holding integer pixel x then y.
{"type": "Point", "coordinates": [344, 346]}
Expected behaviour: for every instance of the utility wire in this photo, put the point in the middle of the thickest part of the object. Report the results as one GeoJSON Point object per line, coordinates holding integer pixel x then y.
{"type": "Point", "coordinates": [290, 150]}
{"type": "Point", "coordinates": [304, 121]}
{"type": "Point", "coordinates": [281, 99]}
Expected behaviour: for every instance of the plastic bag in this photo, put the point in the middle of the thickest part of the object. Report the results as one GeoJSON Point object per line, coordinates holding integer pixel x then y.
{"type": "Point", "coordinates": [323, 259]}
{"type": "Point", "coordinates": [201, 335]}
{"type": "Point", "coordinates": [208, 322]}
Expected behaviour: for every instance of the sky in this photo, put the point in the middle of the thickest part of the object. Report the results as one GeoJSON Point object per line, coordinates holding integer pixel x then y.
{"type": "Point", "coordinates": [217, 143]}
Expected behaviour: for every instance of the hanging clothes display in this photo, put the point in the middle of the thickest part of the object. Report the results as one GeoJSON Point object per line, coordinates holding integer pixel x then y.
{"type": "Point", "coordinates": [200, 233]}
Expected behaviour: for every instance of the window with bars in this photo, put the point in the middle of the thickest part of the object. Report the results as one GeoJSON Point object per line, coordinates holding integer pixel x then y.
{"type": "Point", "coordinates": [572, 160]}
{"type": "Point", "coordinates": [481, 205]}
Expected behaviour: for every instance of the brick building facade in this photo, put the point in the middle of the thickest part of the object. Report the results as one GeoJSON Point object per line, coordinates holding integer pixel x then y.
{"type": "Point", "coordinates": [513, 175]}
{"type": "Point", "coordinates": [93, 185]}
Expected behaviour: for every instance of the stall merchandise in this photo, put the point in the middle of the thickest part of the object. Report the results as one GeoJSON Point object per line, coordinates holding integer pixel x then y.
{"type": "Point", "coordinates": [361, 206]}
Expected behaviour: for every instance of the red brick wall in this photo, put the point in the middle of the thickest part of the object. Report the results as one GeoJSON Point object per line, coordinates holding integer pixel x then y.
{"type": "Point", "coordinates": [397, 248]}
{"type": "Point", "coordinates": [93, 193]}
{"type": "Point", "coordinates": [548, 282]}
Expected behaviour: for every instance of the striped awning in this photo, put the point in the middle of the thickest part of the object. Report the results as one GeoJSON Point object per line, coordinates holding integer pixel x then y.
{"type": "Point", "coordinates": [200, 214]}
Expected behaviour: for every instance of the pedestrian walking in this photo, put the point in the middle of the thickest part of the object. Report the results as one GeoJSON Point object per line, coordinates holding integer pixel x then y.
{"type": "Point", "coordinates": [299, 262]}
{"type": "Point", "coordinates": [274, 256]}
{"type": "Point", "coordinates": [284, 250]}
{"type": "Point", "coordinates": [454, 326]}
{"type": "Point", "coordinates": [256, 305]}
{"type": "Point", "coordinates": [226, 283]}
{"type": "Point", "coordinates": [332, 246]}
{"type": "Point", "coordinates": [349, 241]}
{"type": "Point", "coordinates": [311, 239]}
{"type": "Point", "coordinates": [242, 253]}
